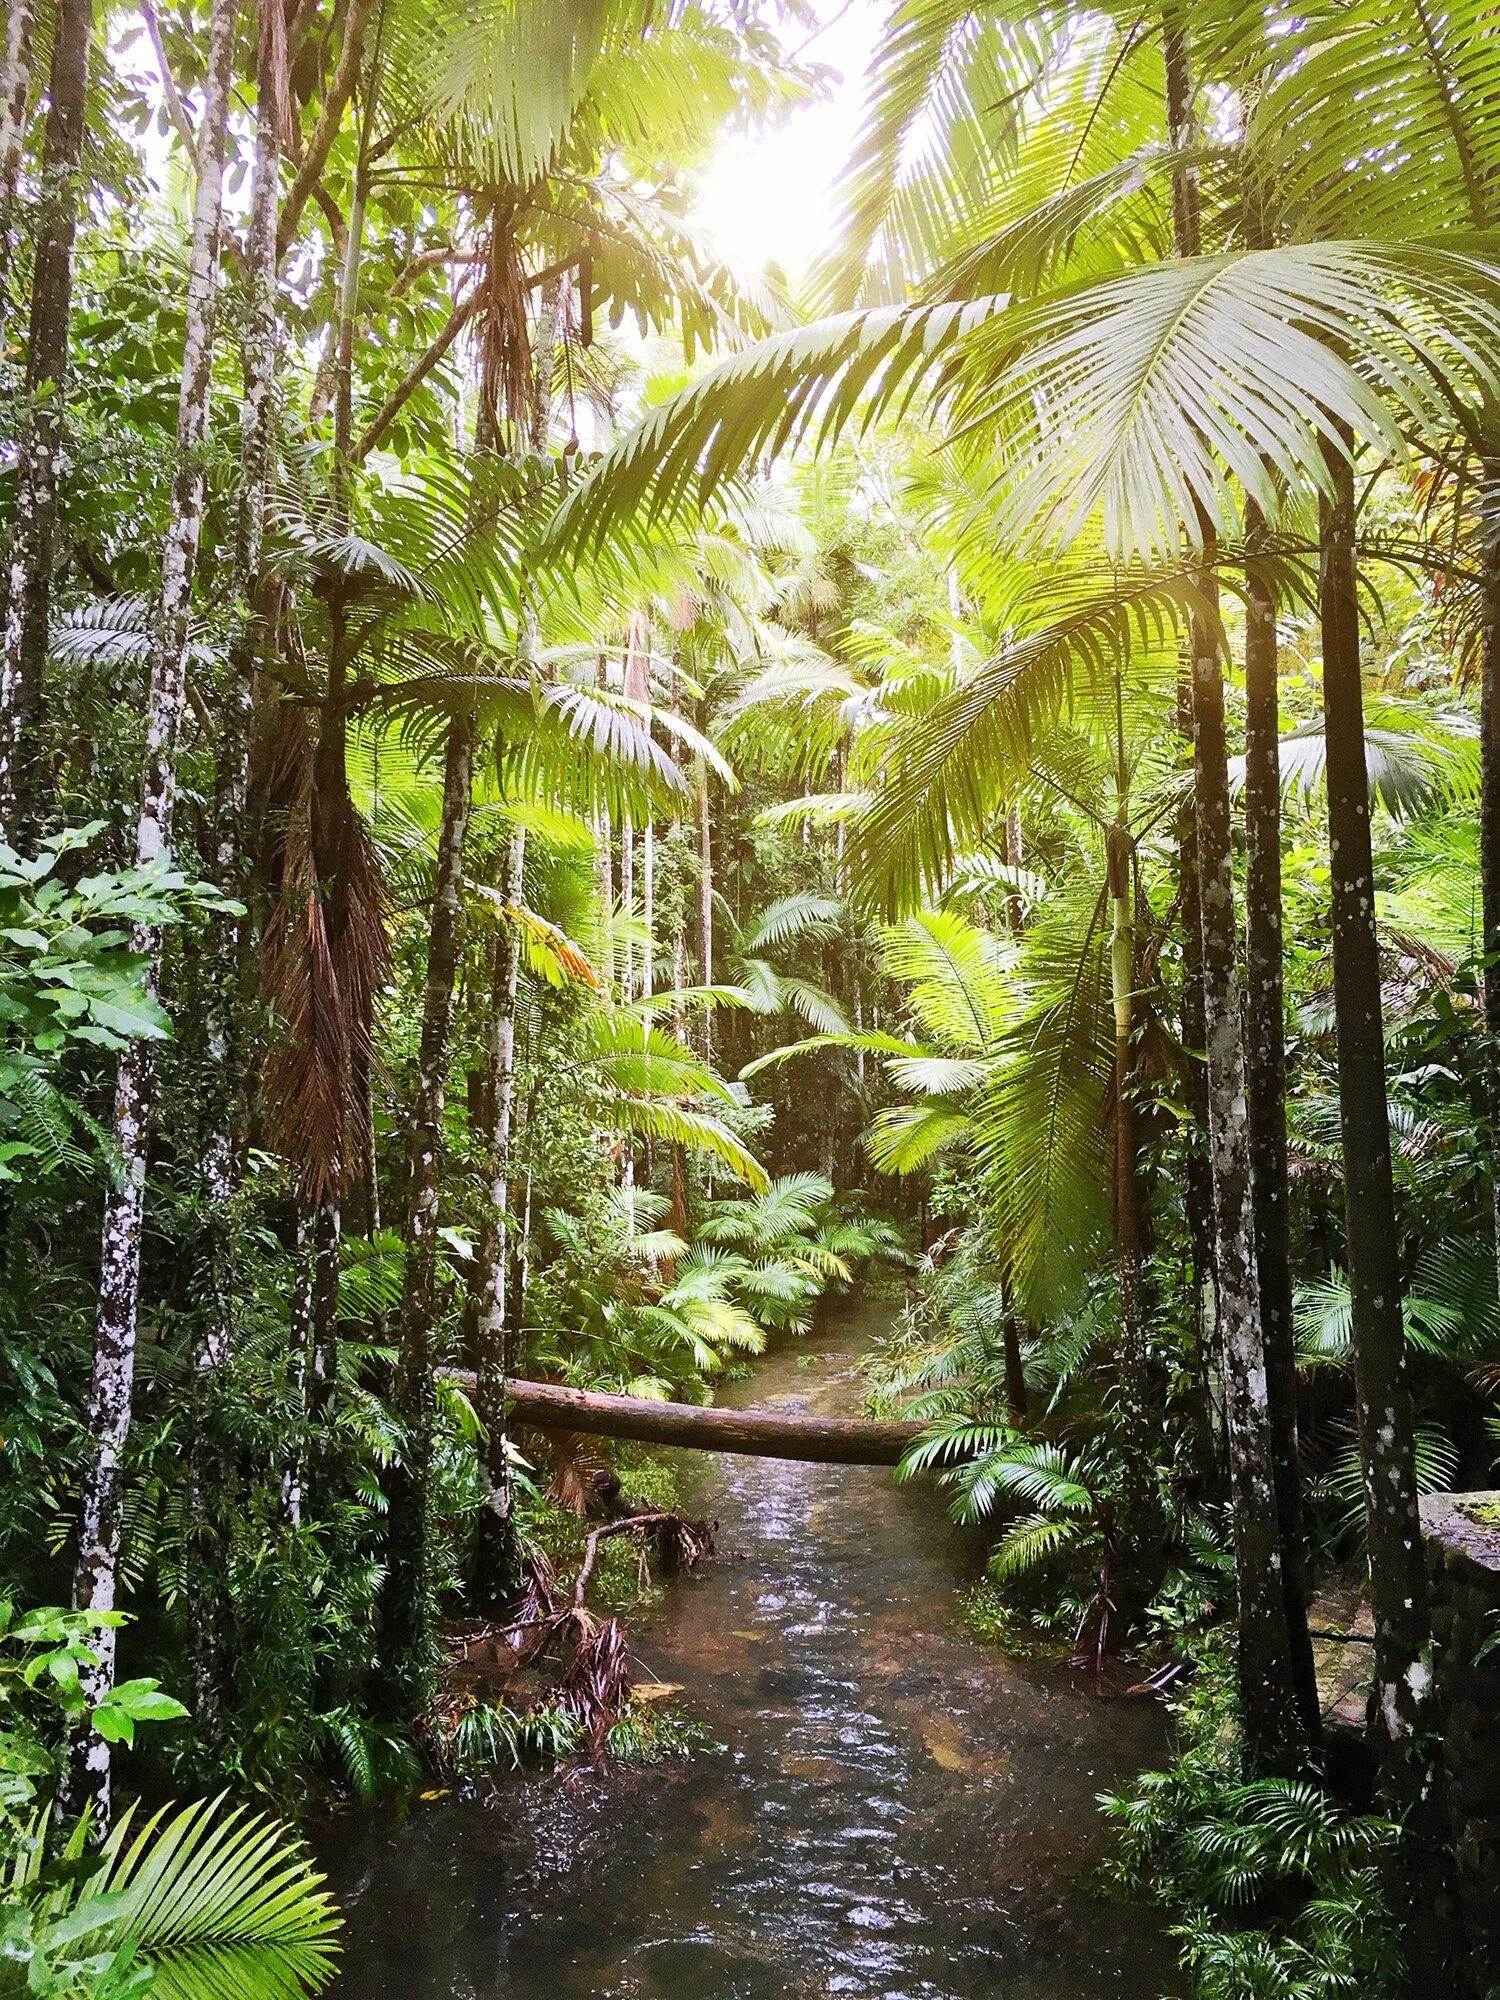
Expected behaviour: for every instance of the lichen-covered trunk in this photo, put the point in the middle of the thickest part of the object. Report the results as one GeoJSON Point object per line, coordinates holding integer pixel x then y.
{"type": "Point", "coordinates": [1122, 983]}
{"type": "Point", "coordinates": [40, 449]}
{"type": "Point", "coordinates": [495, 1556]}
{"type": "Point", "coordinates": [1274, 1736]}
{"type": "Point", "coordinates": [1198, 1194]}
{"type": "Point", "coordinates": [112, 1377]}
{"type": "Point", "coordinates": [1265, 1077]}
{"type": "Point", "coordinates": [1404, 1705]}
{"type": "Point", "coordinates": [1489, 799]}
{"type": "Point", "coordinates": [225, 1079]}
{"type": "Point", "coordinates": [705, 915]}
{"type": "Point", "coordinates": [406, 1635]}
{"type": "Point", "coordinates": [1267, 1683]}
{"type": "Point", "coordinates": [299, 1355]}
{"type": "Point", "coordinates": [15, 84]}
{"type": "Point", "coordinates": [1139, 1569]}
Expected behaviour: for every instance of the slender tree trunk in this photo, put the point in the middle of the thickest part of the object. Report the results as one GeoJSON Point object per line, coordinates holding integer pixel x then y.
{"type": "Point", "coordinates": [40, 456]}
{"type": "Point", "coordinates": [1015, 1371]}
{"type": "Point", "coordinates": [112, 1380]}
{"type": "Point", "coordinates": [1122, 981]}
{"type": "Point", "coordinates": [1265, 1077]}
{"type": "Point", "coordinates": [406, 1635]}
{"type": "Point", "coordinates": [496, 1553]}
{"type": "Point", "coordinates": [648, 906]}
{"type": "Point", "coordinates": [1404, 1707]}
{"type": "Point", "coordinates": [705, 916]}
{"type": "Point", "coordinates": [1489, 801]}
{"type": "Point", "coordinates": [299, 1354]}
{"type": "Point", "coordinates": [1267, 1682]}
{"type": "Point", "coordinates": [1187, 231]}
{"type": "Point", "coordinates": [1142, 1558]}
{"type": "Point", "coordinates": [628, 986]}
{"type": "Point", "coordinates": [226, 1078]}
{"type": "Point", "coordinates": [15, 86]}
{"type": "Point", "coordinates": [325, 1226]}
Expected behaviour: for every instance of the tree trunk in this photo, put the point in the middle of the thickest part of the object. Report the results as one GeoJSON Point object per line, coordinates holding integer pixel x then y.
{"type": "Point", "coordinates": [299, 1353]}
{"type": "Point", "coordinates": [1198, 1194]}
{"type": "Point", "coordinates": [496, 1552]}
{"type": "Point", "coordinates": [1122, 982]}
{"type": "Point", "coordinates": [112, 1380]}
{"type": "Point", "coordinates": [1404, 1707]}
{"type": "Point", "coordinates": [705, 916]}
{"type": "Point", "coordinates": [1015, 1371]}
{"type": "Point", "coordinates": [406, 1636]}
{"type": "Point", "coordinates": [1143, 1556]}
{"type": "Point", "coordinates": [15, 85]}
{"type": "Point", "coordinates": [40, 460]}
{"type": "Point", "coordinates": [1489, 801]}
{"type": "Point", "coordinates": [1265, 1077]}
{"type": "Point", "coordinates": [226, 1082]}
{"type": "Point", "coordinates": [752, 1433]}
{"type": "Point", "coordinates": [1267, 1681]}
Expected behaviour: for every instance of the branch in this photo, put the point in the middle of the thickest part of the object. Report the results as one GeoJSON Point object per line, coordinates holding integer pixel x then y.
{"type": "Point", "coordinates": [333, 215]}
{"type": "Point", "coordinates": [315, 155]}
{"type": "Point", "coordinates": [176, 109]}
{"type": "Point", "coordinates": [431, 260]}
{"type": "Point", "coordinates": [300, 20]}
{"type": "Point", "coordinates": [400, 396]}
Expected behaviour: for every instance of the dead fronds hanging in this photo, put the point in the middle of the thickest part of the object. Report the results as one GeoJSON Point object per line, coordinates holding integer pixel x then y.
{"type": "Point", "coordinates": [325, 952]}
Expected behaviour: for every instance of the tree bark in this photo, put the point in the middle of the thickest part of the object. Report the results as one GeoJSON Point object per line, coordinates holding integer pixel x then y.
{"type": "Point", "coordinates": [1489, 802]}
{"type": "Point", "coordinates": [1404, 1707]}
{"type": "Point", "coordinates": [496, 1553]}
{"type": "Point", "coordinates": [40, 454]}
{"type": "Point", "coordinates": [315, 154]}
{"type": "Point", "coordinates": [1265, 1077]}
{"type": "Point", "coordinates": [705, 916]}
{"type": "Point", "coordinates": [1187, 232]}
{"type": "Point", "coordinates": [1267, 1682]}
{"type": "Point", "coordinates": [15, 86]}
{"type": "Point", "coordinates": [406, 1637]}
{"type": "Point", "coordinates": [112, 1379]}
{"type": "Point", "coordinates": [222, 1036]}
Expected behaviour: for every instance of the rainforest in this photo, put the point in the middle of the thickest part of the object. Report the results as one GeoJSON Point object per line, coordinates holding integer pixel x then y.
{"type": "Point", "coordinates": [750, 999]}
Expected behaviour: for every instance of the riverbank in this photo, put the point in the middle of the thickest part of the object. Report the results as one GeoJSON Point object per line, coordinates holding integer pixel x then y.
{"type": "Point", "coordinates": [898, 1810]}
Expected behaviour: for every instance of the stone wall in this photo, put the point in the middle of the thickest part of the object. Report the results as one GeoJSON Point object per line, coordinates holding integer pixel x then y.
{"type": "Point", "coordinates": [1462, 1536]}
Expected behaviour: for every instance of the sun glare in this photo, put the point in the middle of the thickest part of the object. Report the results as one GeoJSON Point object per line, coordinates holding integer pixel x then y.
{"type": "Point", "coordinates": [767, 197]}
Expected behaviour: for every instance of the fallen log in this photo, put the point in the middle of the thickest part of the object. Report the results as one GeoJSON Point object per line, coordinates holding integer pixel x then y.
{"type": "Point", "coordinates": [753, 1433]}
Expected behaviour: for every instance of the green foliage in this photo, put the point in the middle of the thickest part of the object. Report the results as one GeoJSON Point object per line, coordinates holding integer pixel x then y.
{"type": "Point", "coordinates": [41, 1654]}
{"type": "Point", "coordinates": [73, 977]}
{"type": "Point", "coordinates": [1275, 1889]}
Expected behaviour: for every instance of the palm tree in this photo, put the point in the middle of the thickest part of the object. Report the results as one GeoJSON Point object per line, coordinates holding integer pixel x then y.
{"type": "Point", "coordinates": [34, 519]}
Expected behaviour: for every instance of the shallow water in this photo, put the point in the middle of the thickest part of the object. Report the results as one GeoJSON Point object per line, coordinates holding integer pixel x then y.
{"type": "Point", "coordinates": [899, 1812]}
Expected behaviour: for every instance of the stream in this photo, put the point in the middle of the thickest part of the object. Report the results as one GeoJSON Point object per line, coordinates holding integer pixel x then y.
{"type": "Point", "coordinates": [899, 1811]}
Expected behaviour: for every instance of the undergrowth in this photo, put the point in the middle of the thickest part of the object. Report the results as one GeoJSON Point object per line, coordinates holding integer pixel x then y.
{"type": "Point", "coordinates": [1275, 1890]}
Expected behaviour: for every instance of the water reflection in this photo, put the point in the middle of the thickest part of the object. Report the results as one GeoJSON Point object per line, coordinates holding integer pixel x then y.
{"type": "Point", "coordinates": [900, 1812]}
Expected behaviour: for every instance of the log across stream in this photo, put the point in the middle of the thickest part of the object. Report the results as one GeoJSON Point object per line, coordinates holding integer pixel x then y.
{"type": "Point", "coordinates": [899, 1810]}
{"type": "Point", "coordinates": [753, 1433]}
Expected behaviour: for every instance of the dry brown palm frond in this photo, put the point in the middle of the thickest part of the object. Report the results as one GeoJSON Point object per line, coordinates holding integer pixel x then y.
{"type": "Point", "coordinates": [325, 954]}
{"type": "Point", "coordinates": [505, 374]}
{"type": "Point", "coordinates": [596, 1682]}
